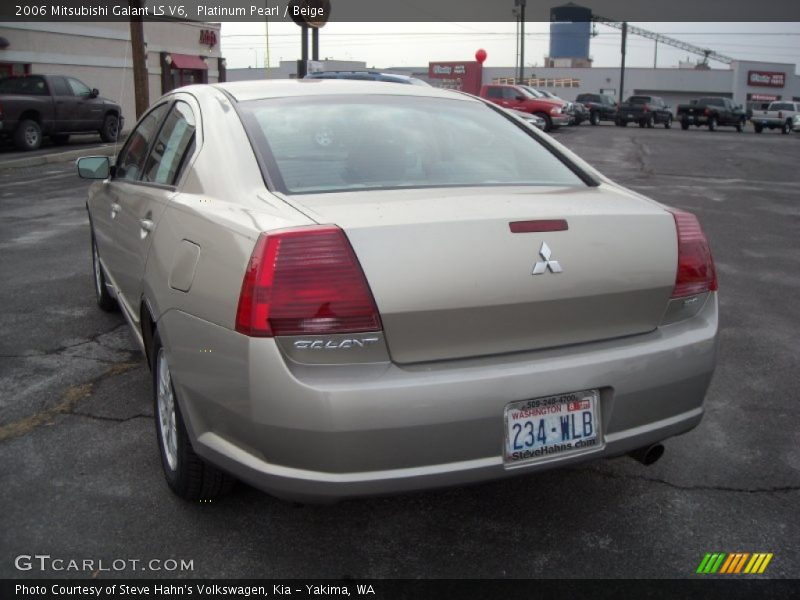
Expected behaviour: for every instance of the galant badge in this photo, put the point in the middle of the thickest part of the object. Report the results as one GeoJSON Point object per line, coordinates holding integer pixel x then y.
{"type": "Point", "coordinates": [542, 265]}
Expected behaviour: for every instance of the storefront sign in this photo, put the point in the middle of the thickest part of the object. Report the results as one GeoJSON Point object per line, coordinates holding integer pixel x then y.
{"type": "Point", "coordinates": [763, 97]}
{"type": "Point", "coordinates": [766, 78]}
{"type": "Point", "coordinates": [464, 76]}
{"type": "Point", "coordinates": [208, 37]}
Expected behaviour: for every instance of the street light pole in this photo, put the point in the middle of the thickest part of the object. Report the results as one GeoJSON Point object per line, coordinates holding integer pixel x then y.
{"type": "Point", "coordinates": [622, 64]}
{"type": "Point", "coordinates": [521, 5]}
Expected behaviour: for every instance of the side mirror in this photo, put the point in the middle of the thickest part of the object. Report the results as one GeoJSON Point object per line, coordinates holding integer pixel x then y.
{"type": "Point", "coordinates": [94, 167]}
{"type": "Point", "coordinates": [94, 93]}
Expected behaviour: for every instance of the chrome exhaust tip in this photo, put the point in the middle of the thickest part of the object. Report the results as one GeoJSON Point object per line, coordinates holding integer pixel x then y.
{"type": "Point", "coordinates": [648, 455]}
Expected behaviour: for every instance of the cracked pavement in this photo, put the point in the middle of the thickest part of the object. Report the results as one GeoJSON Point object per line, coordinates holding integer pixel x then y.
{"type": "Point", "coordinates": [80, 475]}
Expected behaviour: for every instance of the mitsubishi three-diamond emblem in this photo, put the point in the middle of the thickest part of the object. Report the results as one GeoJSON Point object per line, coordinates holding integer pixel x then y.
{"type": "Point", "coordinates": [542, 265]}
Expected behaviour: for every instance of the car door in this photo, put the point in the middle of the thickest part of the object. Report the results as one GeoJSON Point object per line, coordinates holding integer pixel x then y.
{"type": "Point", "coordinates": [89, 109]}
{"type": "Point", "coordinates": [65, 115]}
{"type": "Point", "coordinates": [511, 97]}
{"type": "Point", "coordinates": [146, 198]}
{"type": "Point", "coordinates": [106, 205]}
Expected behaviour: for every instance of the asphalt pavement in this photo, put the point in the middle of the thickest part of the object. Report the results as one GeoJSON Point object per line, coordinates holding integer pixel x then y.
{"type": "Point", "coordinates": [80, 476]}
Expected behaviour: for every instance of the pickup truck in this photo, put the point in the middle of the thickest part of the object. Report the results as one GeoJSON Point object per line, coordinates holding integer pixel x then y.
{"type": "Point", "coordinates": [33, 106]}
{"type": "Point", "coordinates": [600, 107]}
{"type": "Point", "coordinates": [713, 112]}
{"type": "Point", "coordinates": [518, 98]}
{"type": "Point", "coordinates": [779, 115]}
{"type": "Point", "coordinates": [647, 111]}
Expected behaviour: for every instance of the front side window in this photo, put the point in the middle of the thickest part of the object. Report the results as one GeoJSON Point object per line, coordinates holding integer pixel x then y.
{"type": "Point", "coordinates": [172, 147]}
{"type": "Point", "coordinates": [333, 143]}
{"type": "Point", "coordinates": [78, 87]}
{"type": "Point", "coordinates": [495, 92]}
{"type": "Point", "coordinates": [60, 87]}
{"type": "Point", "coordinates": [131, 159]}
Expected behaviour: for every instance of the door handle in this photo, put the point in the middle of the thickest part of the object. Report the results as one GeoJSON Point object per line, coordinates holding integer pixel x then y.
{"type": "Point", "coordinates": [146, 224]}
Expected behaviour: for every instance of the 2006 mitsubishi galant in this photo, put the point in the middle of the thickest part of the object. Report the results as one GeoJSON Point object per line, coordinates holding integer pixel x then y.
{"type": "Point", "coordinates": [348, 288]}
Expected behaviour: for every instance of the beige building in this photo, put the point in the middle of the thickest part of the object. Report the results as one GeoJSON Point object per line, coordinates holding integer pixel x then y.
{"type": "Point", "coordinates": [99, 54]}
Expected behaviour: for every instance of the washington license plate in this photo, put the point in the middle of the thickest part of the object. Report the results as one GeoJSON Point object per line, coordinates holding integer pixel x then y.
{"type": "Point", "coordinates": [551, 427]}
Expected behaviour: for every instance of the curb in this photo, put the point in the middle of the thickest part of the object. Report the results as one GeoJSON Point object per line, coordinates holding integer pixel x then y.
{"type": "Point", "coordinates": [44, 159]}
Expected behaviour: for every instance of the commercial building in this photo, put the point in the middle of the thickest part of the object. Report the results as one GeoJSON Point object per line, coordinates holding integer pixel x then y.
{"type": "Point", "coordinates": [178, 53]}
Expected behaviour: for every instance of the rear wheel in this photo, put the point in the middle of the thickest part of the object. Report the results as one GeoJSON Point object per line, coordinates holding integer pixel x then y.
{"type": "Point", "coordinates": [188, 476]}
{"type": "Point", "coordinates": [594, 118]}
{"type": "Point", "coordinates": [758, 128]}
{"type": "Point", "coordinates": [787, 128]}
{"type": "Point", "coordinates": [668, 122]}
{"type": "Point", "coordinates": [621, 123]}
{"type": "Point", "coordinates": [740, 126]}
{"type": "Point", "coordinates": [684, 125]}
{"type": "Point", "coordinates": [650, 122]}
{"type": "Point", "coordinates": [28, 135]}
{"type": "Point", "coordinates": [712, 123]}
{"type": "Point", "coordinates": [105, 300]}
{"type": "Point", "coordinates": [109, 132]}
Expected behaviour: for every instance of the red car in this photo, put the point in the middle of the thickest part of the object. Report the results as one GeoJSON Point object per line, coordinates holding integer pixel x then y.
{"type": "Point", "coordinates": [518, 98]}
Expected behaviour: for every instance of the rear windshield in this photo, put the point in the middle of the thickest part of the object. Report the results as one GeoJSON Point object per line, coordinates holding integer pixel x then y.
{"type": "Point", "coordinates": [29, 86]}
{"type": "Point", "coordinates": [711, 101]}
{"type": "Point", "coordinates": [781, 106]}
{"type": "Point", "coordinates": [639, 99]}
{"type": "Point", "coordinates": [335, 143]}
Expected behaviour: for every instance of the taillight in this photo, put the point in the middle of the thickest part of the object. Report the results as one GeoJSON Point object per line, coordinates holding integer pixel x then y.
{"type": "Point", "coordinates": [706, 112]}
{"type": "Point", "coordinates": [305, 281]}
{"type": "Point", "coordinates": [646, 107]}
{"type": "Point", "coordinates": [780, 114]}
{"type": "Point", "coordinates": [696, 273]}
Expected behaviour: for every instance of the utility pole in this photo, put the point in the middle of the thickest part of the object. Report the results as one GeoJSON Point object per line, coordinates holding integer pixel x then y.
{"type": "Point", "coordinates": [655, 56]}
{"type": "Point", "coordinates": [141, 87]}
{"type": "Point", "coordinates": [521, 5]}
{"type": "Point", "coordinates": [622, 64]}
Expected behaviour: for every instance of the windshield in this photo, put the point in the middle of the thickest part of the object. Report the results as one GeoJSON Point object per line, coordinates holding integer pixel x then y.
{"type": "Point", "coordinates": [533, 92]}
{"type": "Point", "coordinates": [334, 143]}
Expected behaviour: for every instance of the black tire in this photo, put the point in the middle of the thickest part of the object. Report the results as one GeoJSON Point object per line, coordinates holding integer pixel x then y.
{"type": "Point", "coordinates": [105, 300]}
{"type": "Point", "coordinates": [758, 128]}
{"type": "Point", "coordinates": [621, 123]}
{"type": "Point", "coordinates": [668, 123]}
{"type": "Point", "coordinates": [60, 139]}
{"type": "Point", "coordinates": [109, 132]}
{"type": "Point", "coordinates": [641, 124]}
{"type": "Point", "coordinates": [712, 123]}
{"type": "Point", "coordinates": [594, 118]}
{"type": "Point", "coordinates": [739, 126]}
{"type": "Point", "coordinates": [188, 475]}
{"type": "Point", "coordinates": [651, 122]}
{"type": "Point", "coordinates": [787, 128]}
{"type": "Point", "coordinates": [684, 125]}
{"type": "Point", "coordinates": [28, 135]}
{"type": "Point", "coordinates": [548, 122]}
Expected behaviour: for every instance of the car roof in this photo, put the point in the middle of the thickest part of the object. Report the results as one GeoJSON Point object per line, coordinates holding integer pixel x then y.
{"type": "Point", "coordinates": [242, 91]}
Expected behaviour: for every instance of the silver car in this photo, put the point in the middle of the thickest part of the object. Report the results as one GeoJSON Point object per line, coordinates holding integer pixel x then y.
{"type": "Point", "coordinates": [348, 288]}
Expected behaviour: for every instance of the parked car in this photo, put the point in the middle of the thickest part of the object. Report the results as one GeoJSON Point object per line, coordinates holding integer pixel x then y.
{"type": "Point", "coordinates": [519, 98]}
{"type": "Point", "coordinates": [367, 76]}
{"type": "Point", "coordinates": [712, 112]}
{"type": "Point", "coordinates": [601, 107]}
{"type": "Point", "coordinates": [575, 111]}
{"type": "Point", "coordinates": [796, 123]}
{"type": "Point", "coordinates": [528, 117]}
{"type": "Point", "coordinates": [354, 288]}
{"type": "Point", "coordinates": [34, 106]}
{"type": "Point", "coordinates": [647, 111]}
{"type": "Point", "coordinates": [778, 115]}
{"type": "Point", "coordinates": [580, 113]}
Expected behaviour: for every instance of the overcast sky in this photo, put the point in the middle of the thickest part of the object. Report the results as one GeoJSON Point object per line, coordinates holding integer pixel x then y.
{"type": "Point", "coordinates": [385, 45]}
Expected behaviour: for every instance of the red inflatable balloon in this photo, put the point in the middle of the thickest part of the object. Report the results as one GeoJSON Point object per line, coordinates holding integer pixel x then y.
{"type": "Point", "coordinates": [480, 55]}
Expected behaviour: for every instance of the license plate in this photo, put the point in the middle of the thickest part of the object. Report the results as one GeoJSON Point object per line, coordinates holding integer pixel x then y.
{"type": "Point", "coordinates": [551, 427]}
{"type": "Point", "coordinates": [630, 116]}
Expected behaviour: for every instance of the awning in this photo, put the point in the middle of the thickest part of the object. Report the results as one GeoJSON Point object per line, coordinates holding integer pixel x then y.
{"type": "Point", "coordinates": [187, 61]}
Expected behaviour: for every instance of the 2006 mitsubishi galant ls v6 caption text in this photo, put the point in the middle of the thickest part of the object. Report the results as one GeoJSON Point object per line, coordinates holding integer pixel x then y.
{"type": "Point", "coordinates": [350, 288]}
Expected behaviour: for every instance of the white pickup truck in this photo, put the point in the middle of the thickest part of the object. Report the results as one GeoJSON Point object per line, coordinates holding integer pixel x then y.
{"type": "Point", "coordinates": [778, 115]}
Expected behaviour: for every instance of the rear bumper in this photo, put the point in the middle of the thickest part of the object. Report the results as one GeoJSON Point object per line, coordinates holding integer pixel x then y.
{"type": "Point", "coordinates": [317, 433]}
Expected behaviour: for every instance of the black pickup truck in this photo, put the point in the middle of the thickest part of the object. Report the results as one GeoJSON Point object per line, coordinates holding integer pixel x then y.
{"type": "Point", "coordinates": [713, 112]}
{"type": "Point", "coordinates": [600, 107]}
{"type": "Point", "coordinates": [33, 106]}
{"type": "Point", "coordinates": [647, 111]}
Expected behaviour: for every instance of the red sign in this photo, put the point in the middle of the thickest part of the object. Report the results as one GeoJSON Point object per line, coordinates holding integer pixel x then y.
{"type": "Point", "coordinates": [766, 78]}
{"type": "Point", "coordinates": [763, 97]}
{"type": "Point", "coordinates": [463, 76]}
{"type": "Point", "coordinates": [208, 37]}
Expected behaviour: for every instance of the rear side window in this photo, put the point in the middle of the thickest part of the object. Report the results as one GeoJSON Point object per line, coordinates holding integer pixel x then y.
{"type": "Point", "coordinates": [131, 159]}
{"type": "Point", "coordinates": [171, 149]}
{"type": "Point", "coordinates": [28, 86]}
{"type": "Point", "coordinates": [336, 143]}
{"type": "Point", "coordinates": [781, 106]}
